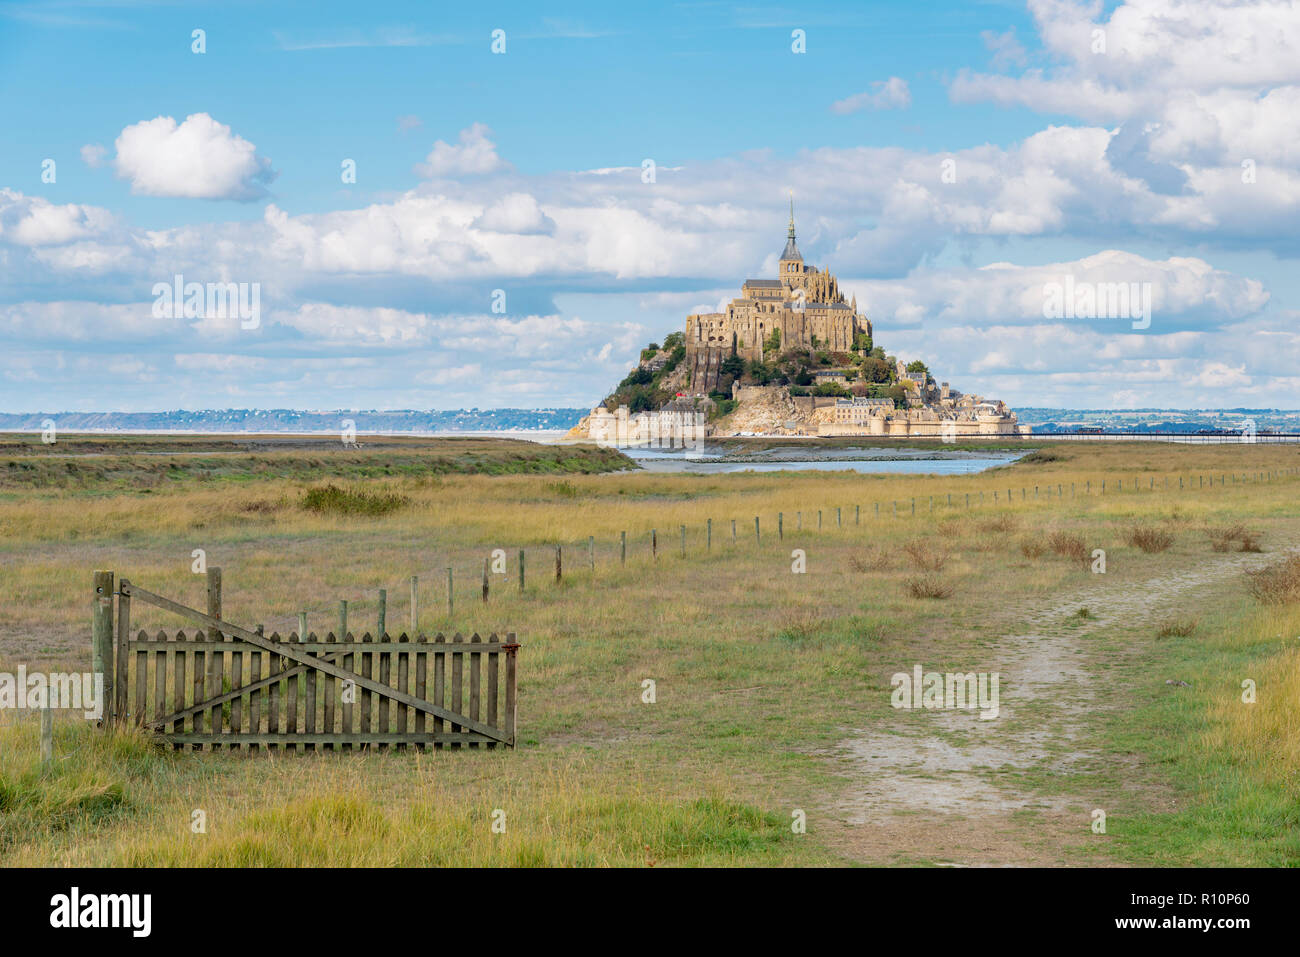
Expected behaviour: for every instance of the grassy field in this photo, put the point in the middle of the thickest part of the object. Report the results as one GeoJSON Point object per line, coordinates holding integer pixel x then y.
{"type": "Point", "coordinates": [773, 685]}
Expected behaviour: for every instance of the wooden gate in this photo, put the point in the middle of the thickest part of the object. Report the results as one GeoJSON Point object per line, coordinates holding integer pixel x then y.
{"type": "Point", "coordinates": [228, 687]}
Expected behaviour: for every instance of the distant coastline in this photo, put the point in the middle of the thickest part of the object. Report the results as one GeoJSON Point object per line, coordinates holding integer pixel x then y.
{"type": "Point", "coordinates": [543, 423]}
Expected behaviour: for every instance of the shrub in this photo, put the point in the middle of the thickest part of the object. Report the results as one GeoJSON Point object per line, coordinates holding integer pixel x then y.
{"type": "Point", "coordinates": [1040, 456]}
{"type": "Point", "coordinates": [1032, 548]}
{"type": "Point", "coordinates": [871, 559]}
{"type": "Point", "coordinates": [1178, 628]}
{"type": "Point", "coordinates": [1068, 546]}
{"type": "Point", "coordinates": [1223, 539]}
{"type": "Point", "coordinates": [1002, 523]}
{"type": "Point", "coordinates": [1278, 584]}
{"type": "Point", "coordinates": [332, 500]}
{"type": "Point", "coordinates": [1149, 538]}
{"type": "Point", "coordinates": [924, 556]}
{"type": "Point", "coordinates": [927, 586]}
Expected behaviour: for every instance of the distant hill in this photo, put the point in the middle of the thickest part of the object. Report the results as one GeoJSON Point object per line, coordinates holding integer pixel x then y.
{"type": "Point", "coordinates": [293, 420]}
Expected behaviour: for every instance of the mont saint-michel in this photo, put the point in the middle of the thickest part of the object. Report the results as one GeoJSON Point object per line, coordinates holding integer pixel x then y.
{"type": "Point", "coordinates": [788, 356]}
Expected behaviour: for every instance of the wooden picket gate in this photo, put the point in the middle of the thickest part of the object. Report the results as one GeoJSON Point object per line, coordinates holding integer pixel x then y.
{"type": "Point", "coordinates": [228, 687]}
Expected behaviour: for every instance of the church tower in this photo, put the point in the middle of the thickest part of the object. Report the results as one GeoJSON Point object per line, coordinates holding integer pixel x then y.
{"type": "Point", "coordinates": [791, 261]}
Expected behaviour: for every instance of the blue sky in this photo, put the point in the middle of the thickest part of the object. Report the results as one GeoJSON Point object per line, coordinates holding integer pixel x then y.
{"type": "Point", "coordinates": [522, 172]}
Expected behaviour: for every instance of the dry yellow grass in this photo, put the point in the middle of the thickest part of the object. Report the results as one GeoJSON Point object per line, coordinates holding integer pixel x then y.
{"type": "Point", "coordinates": [759, 667]}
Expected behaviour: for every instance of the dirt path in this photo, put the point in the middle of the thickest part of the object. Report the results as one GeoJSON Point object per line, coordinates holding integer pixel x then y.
{"type": "Point", "coordinates": [941, 785]}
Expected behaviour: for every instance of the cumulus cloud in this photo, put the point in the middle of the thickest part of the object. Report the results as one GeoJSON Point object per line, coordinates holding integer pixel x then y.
{"type": "Point", "coordinates": [1185, 293]}
{"type": "Point", "coordinates": [35, 221]}
{"type": "Point", "coordinates": [515, 213]}
{"type": "Point", "coordinates": [196, 159]}
{"type": "Point", "coordinates": [891, 94]}
{"type": "Point", "coordinates": [474, 155]}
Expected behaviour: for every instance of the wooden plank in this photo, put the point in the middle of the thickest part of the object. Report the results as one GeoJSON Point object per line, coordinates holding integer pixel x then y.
{"type": "Point", "coordinates": [216, 671]}
{"type": "Point", "coordinates": [367, 669]}
{"type": "Point", "coordinates": [200, 685]}
{"type": "Point", "coordinates": [510, 694]}
{"type": "Point", "coordinates": [327, 691]}
{"type": "Point", "coordinates": [352, 690]}
{"type": "Point", "coordinates": [317, 664]}
{"type": "Point", "coordinates": [457, 681]}
{"type": "Point", "coordinates": [141, 686]}
{"type": "Point", "coordinates": [255, 694]}
{"type": "Point", "coordinates": [160, 682]}
{"type": "Point", "coordinates": [421, 680]}
{"type": "Point", "coordinates": [309, 705]}
{"type": "Point", "coordinates": [178, 682]}
{"type": "Point", "coordinates": [217, 682]}
{"type": "Point", "coordinates": [439, 678]}
{"type": "Point", "coordinates": [103, 661]}
{"type": "Point", "coordinates": [273, 670]}
{"type": "Point", "coordinates": [493, 663]}
{"type": "Point", "coordinates": [357, 738]}
{"type": "Point", "coordinates": [325, 649]}
{"type": "Point", "coordinates": [291, 693]}
{"type": "Point", "coordinates": [120, 657]}
{"type": "Point", "coordinates": [236, 685]}
{"type": "Point", "coordinates": [403, 683]}
{"type": "Point", "coordinates": [385, 678]}
{"type": "Point", "coordinates": [475, 678]}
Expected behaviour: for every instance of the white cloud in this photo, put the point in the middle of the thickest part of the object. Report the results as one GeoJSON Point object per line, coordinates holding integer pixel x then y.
{"type": "Point", "coordinates": [35, 221]}
{"type": "Point", "coordinates": [891, 94]}
{"type": "Point", "coordinates": [515, 213]}
{"type": "Point", "coordinates": [93, 155]}
{"type": "Point", "coordinates": [196, 159]}
{"type": "Point", "coordinates": [475, 155]}
{"type": "Point", "coordinates": [1186, 293]}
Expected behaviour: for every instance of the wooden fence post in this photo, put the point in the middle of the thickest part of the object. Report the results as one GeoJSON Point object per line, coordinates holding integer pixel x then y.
{"type": "Point", "coordinates": [102, 657]}
{"type": "Point", "coordinates": [622, 548]}
{"type": "Point", "coordinates": [733, 529]}
{"type": "Point", "coordinates": [780, 526]}
{"type": "Point", "coordinates": [216, 668]}
{"type": "Point", "coordinates": [709, 535]}
{"type": "Point", "coordinates": [683, 541]}
{"type": "Point", "coordinates": [47, 732]}
{"type": "Point", "coordinates": [559, 571]}
{"type": "Point", "coordinates": [486, 562]}
{"type": "Point", "coordinates": [591, 552]}
{"type": "Point", "coordinates": [857, 512]}
{"type": "Point", "coordinates": [521, 571]}
{"type": "Point", "coordinates": [450, 604]}
{"type": "Point", "coordinates": [654, 544]}
{"type": "Point", "coordinates": [819, 519]}
{"type": "Point", "coordinates": [382, 623]}
{"type": "Point", "coordinates": [415, 617]}
{"type": "Point", "coordinates": [838, 522]}
{"type": "Point", "coordinates": [118, 702]}
{"type": "Point", "coordinates": [511, 698]}
{"type": "Point", "coordinates": [758, 538]}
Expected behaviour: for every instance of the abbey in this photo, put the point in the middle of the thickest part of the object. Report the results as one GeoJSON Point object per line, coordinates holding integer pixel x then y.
{"type": "Point", "coordinates": [803, 308]}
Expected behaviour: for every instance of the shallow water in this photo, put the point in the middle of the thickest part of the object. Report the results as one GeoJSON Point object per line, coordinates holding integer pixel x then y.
{"type": "Point", "coordinates": [876, 461]}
